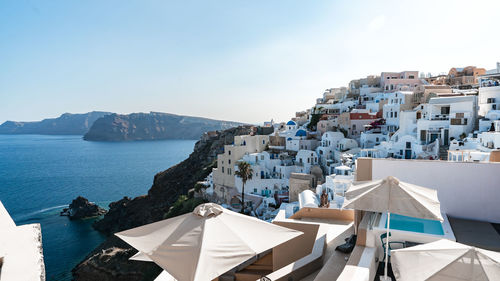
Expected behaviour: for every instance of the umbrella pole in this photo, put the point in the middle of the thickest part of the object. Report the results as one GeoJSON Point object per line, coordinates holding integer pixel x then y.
{"type": "Point", "coordinates": [387, 246]}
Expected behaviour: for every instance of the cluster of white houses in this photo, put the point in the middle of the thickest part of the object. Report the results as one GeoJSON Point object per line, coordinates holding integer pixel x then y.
{"type": "Point", "coordinates": [394, 115]}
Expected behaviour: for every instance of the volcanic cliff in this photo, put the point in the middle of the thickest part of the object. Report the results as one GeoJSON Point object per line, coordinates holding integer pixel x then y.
{"type": "Point", "coordinates": [153, 126]}
{"type": "Point", "coordinates": [66, 124]}
{"type": "Point", "coordinates": [109, 261]}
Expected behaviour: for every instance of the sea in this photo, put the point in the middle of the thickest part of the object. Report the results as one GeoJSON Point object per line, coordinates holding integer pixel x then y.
{"type": "Point", "coordinates": [40, 175]}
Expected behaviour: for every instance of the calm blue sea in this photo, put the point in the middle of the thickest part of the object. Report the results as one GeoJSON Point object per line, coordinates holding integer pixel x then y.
{"type": "Point", "coordinates": [39, 175]}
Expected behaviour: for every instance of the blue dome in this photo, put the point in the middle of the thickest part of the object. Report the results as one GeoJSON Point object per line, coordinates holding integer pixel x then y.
{"type": "Point", "coordinates": [291, 122]}
{"type": "Point", "coordinates": [289, 139]}
{"type": "Point", "coordinates": [301, 133]}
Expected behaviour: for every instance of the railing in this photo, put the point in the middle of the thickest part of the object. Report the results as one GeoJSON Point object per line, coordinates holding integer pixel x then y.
{"type": "Point", "coordinates": [440, 117]}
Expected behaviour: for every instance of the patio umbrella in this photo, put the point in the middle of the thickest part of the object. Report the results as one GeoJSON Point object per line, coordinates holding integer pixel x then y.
{"type": "Point", "coordinates": [206, 243]}
{"type": "Point", "coordinates": [393, 196]}
{"type": "Point", "coordinates": [445, 260]}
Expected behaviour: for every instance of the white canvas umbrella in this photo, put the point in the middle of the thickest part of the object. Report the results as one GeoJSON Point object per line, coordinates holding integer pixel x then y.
{"type": "Point", "coordinates": [393, 196]}
{"type": "Point", "coordinates": [164, 275]}
{"type": "Point", "coordinates": [206, 243]}
{"type": "Point", "coordinates": [445, 260]}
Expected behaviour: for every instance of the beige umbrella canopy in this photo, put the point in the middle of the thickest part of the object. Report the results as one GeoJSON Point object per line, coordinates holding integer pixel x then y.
{"type": "Point", "coordinates": [206, 243]}
{"type": "Point", "coordinates": [445, 260]}
{"type": "Point", "coordinates": [393, 196]}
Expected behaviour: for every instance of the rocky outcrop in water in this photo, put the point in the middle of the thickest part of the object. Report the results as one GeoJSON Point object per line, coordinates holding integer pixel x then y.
{"type": "Point", "coordinates": [109, 261]}
{"type": "Point", "coordinates": [81, 208]}
{"type": "Point", "coordinates": [153, 126]}
{"type": "Point", "coordinates": [66, 124]}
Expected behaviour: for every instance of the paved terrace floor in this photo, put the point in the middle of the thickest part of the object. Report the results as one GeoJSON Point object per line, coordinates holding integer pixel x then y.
{"type": "Point", "coordinates": [480, 234]}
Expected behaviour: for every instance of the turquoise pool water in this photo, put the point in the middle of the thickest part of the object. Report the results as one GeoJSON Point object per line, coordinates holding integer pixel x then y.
{"type": "Point", "coordinates": [415, 224]}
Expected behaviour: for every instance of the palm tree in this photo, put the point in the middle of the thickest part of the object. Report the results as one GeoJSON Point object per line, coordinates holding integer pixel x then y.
{"type": "Point", "coordinates": [245, 172]}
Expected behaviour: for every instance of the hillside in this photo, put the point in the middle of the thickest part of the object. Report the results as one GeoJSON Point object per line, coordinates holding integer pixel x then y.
{"type": "Point", "coordinates": [110, 260]}
{"type": "Point", "coordinates": [153, 126]}
{"type": "Point", "coordinates": [66, 124]}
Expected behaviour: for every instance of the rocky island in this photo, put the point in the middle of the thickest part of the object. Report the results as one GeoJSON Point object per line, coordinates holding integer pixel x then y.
{"type": "Point", "coordinates": [81, 208]}
{"type": "Point", "coordinates": [66, 124]}
{"type": "Point", "coordinates": [153, 126]}
{"type": "Point", "coordinates": [109, 261]}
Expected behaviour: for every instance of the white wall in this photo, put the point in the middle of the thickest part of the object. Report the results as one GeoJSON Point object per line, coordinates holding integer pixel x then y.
{"type": "Point", "coordinates": [465, 190]}
{"type": "Point", "coordinates": [484, 94]}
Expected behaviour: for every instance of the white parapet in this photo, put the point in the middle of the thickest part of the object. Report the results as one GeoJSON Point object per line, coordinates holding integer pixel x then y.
{"type": "Point", "coordinates": [21, 251]}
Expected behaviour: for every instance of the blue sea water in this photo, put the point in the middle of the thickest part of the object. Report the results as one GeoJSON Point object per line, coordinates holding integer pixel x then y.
{"type": "Point", "coordinates": [40, 175]}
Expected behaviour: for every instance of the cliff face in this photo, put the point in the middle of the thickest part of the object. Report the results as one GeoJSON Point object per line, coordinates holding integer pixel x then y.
{"type": "Point", "coordinates": [66, 124]}
{"type": "Point", "coordinates": [109, 261]}
{"type": "Point", "coordinates": [153, 126]}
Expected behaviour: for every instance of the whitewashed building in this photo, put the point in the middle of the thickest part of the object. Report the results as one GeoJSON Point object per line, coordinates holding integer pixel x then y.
{"type": "Point", "coordinates": [489, 93]}
{"type": "Point", "coordinates": [396, 102]}
{"type": "Point", "coordinates": [446, 117]}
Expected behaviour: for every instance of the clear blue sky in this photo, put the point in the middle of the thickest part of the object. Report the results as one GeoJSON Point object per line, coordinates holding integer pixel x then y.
{"type": "Point", "coordinates": [236, 60]}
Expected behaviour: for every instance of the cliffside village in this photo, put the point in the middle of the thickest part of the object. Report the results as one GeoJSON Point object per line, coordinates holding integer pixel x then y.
{"type": "Point", "coordinates": [328, 180]}
{"type": "Point", "coordinates": [402, 115]}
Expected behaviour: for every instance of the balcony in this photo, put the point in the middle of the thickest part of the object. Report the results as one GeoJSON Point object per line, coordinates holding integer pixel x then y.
{"type": "Point", "coordinates": [440, 117]}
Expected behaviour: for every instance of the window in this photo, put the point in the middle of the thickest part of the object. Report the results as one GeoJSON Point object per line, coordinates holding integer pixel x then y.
{"type": "Point", "coordinates": [262, 157]}
{"type": "Point", "coordinates": [408, 144]}
{"type": "Point", "coordinates": [376, 139]}
{"type": "Point", "coordinates": [223, 169]}
{"type": "Point", "coordinates": [423, 135]}
{"type": "Point", "coordinates": [445, 110]}
{"type": "Point", "coordinates": [229, 161]}
{"type": "Point", "coordinates": [263, 142]}
{"type": "Point", "coordinates": [308, 161]}
{"type": "Point", "coordinates": [229, 152]}
{"type": "Point", "coordinates": [392, 114]}
{"type": "Point", "coordinates": [411, 77]}
{"type": "Point", "coordinates": [396, 114]}
{"type": "Point", "coordinates": [354, 127]}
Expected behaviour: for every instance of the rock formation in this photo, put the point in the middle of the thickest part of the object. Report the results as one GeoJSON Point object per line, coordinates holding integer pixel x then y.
{"type": "Point", "coordinates": [109, 261]}
{"type": "Point", "coordinates": [81, 208]}
{"type": "Point", "coordinates": [152, 126]}
{"type": "Point", "coordinates": [66, 124]}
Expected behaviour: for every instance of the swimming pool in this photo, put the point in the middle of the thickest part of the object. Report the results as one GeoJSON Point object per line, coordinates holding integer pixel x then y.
{"type": "Point", "coordinates": [405, 223]}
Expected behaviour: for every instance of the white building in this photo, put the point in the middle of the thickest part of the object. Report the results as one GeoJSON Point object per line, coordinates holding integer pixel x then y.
{"type": "Point", "coordinates": [489, 93]}
{"type": "Point", "coordinates": [446, 117]}
{"type": "Point", "coordinates": [485, 124]}
{"type": "Point", "coordinates": [396, 102]}
{"type": "Point", "coordinates": [305, 159]}
{"type": "Point", "coordinates": [295, 139]}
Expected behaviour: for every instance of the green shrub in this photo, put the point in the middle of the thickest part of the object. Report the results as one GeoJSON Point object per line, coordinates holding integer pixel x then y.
{"type": "Point", "coordinates": [183, 205]}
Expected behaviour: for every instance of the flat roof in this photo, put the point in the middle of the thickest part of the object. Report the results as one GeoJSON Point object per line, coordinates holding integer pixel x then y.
{"type": "Point", "coordinates": [480, 234]}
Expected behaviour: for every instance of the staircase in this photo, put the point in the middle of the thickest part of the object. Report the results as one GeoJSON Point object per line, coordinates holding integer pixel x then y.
{"type": "Point", "coordinates": [476, 124]}
{"type": "Point", "coordinates": [443, 152]}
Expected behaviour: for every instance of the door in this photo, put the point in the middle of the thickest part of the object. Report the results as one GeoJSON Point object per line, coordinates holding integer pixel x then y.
{"type": "Point", "coordinates": [434, 136]}
{"type": "Point", "coordinates": [408, 154]}
{"type": "Point", "coordinates": [445, 139]}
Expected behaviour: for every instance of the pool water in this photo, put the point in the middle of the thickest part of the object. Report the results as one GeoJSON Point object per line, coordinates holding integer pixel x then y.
{"type": "Point", "coordinates": [405, 223]}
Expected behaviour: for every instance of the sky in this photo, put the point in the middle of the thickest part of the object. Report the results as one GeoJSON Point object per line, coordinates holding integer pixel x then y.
{"type": "Point", "coordinates": [248, 61]}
